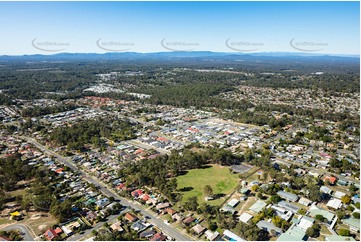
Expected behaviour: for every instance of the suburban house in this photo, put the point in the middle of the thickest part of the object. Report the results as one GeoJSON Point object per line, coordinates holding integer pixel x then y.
{"type": "Point", "coordinates": [314, 210]}
{"type": "Point", "coordinates": [211, 236]}
{"type": "Point", "coordinates": [305, 222]}
{"type": "Point", "coordinates": [170, 211]}
{"type": "Point", "coordinates": [331, 179]}
{"type": "Point", "coordinates": [198, 229]}
{"type": "Point", "coordinates": [52, 234]}
{"type": "Point", "coordinates": [139, 226]}
{"type": "Point", "coordinates": [304, 201]}
{"type": "Point", "coordinates": [294, 233]}
{"type": "Point", "coordinates": [117, 226]}
{"type": "Point", "coordinates": [245, 217]}
{"type": "Point", "coordinates": [326, 190]}
{"type": "Point", "coordinates": [339, 238]}
{"type": "Point", "coordinates": [137, 193]}
{"type": "Point", "coordinates": [188, 221]}
{"type": "Point", "coordinates": [334, 203]}
{"type": "Point", "coordinates": [353, 224]}
{"type": "Point", "coordinates": [289, 206]}
{"type": "Point", "coordinates": [258, 206]}
{"type": "Point", "coordinates": [177, 217]}
{"type": "Point", "coordinates": [130, 217]}
{"type": "Point", "coordinates": [162, 206]}
{"type": "Point", "coordinates": [288, 196]}
{"type": "Point", "coordinates": [228, 235]}
{"type": "Point", "coordinates": [265, 225]}
{"type": "Point", "coordinates": [339, 194]}
{"type": "Point", "coordinates": [158, 237]}
{"type": "Point", "coordinates": [147, 234]}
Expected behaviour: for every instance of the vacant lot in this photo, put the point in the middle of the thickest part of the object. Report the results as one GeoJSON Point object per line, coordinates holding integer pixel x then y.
{"type": "Point", "coordinates": [218, 177]}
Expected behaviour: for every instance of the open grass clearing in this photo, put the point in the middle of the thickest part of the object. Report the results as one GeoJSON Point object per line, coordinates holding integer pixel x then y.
{"type": "Point", "coordinates": [222, 181]}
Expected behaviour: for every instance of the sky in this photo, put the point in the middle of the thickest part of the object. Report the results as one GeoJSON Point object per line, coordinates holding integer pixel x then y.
{"type": "Point", "coordinates": [100, 27]}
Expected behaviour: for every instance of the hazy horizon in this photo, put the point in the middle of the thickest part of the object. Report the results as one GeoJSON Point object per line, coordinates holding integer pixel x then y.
{"type": "Point", "coordinates": [325, 28]}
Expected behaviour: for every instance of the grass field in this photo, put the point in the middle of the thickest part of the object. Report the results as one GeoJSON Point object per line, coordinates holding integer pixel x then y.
{"type": "Point", "coordinates": [219, 178]}
{"type": "Point", "coordinates": [18, 192]}
{"type": "Point", "coordinates": [5, 221]}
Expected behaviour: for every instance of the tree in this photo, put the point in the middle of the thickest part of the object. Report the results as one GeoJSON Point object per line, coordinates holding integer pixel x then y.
{"type": "Point", "coordinates": [12, 235]}
{"type": "Point", "coordinates": [208, 191]}
{"type": "Point", "coordinates": [350, 208]}
{"type": "Point", "coordinates": [275, 199]}
{"type": "Point", "coordinates": [302, 211]}
{"type": "Point", "coordinates": [313, 231]}
{"type": "Point", "coordinates": [356, 215]}
{"type": "Point", "coordinates": [341, 214]}
{"type": "Point", "coordinates": [212, 226]}
{"type": "Point", "coordinates": [277, 221]}
{"type": "Point", "coordinates": [319, 217]}
{"type": "Point", "coordinates": [344, 232]}
{"type": "Point", "coordinates": [255, 188]}
{"type": "Point", "coordinates": [357, 205]}
{"type": "Point", "coordinates": [191, 203]}
{"type": "Point", "coordinates": [314, 193]}
{"type": "Point", "coordinates": [346, 199]}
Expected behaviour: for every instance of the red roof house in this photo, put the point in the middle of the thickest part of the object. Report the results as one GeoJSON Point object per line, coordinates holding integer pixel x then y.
{"type": "Point", "coordinates": [131, 217]}
{"type": "Point", "coordinates": [158, 237]}
{"type": "Point", "coordinates": [52, 233]}
{"type": "Point", "coordinates": [137, 193]}
{"type": "Point", "coordinates": [331, 179]}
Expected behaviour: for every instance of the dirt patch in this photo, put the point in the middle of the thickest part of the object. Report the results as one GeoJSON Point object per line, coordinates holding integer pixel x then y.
{"type": "Point", "coordinates": [36, 216]}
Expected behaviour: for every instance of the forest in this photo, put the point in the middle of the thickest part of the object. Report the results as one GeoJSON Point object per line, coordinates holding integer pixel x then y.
{"type": "Point", "coordinates": [92, 132]}
{"type": "Point", "coordinates": [28, 78]}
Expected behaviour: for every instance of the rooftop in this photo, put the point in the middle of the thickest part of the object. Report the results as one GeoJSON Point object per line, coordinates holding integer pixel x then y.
{"type": "Point", "coordinates": [258, 206]}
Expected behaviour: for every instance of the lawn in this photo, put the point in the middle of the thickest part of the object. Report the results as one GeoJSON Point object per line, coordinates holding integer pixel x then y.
{"type": "Point", "coordinates": [18, 192]}
{"type": "Point", "coordinates": [5, 221]}
{"type": "Point", "coordinates": [219, 178]}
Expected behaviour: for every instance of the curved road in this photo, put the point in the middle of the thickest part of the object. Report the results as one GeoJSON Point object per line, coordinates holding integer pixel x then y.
{"type": "Point", "coordinates": [167, 229]}
{"type": "Point", "coordinates": [24, 231]}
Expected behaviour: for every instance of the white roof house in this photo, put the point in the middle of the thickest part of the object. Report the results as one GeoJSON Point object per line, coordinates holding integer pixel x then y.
{"type": "Point", "coordinates": [258, 206]}
{"type": "Point", "coordinates": [326, 190]}
{"type": "Point", "coordinates": [304, 201]}
{"type": "Point", "coordinates": [245, 217]}
{"type": "Point", "coordinates": [305, 222]}
{"type": "Point", "coordinates": [288, 196]}
{"type": "Point", "coordinates": [334, 203]}
{"type": "Point", "coordinates": [339, 194]}
{"type": "Point", "coordinates": [211, 235]}
{"type": "Point", "coordinates": [233, 202]}
{"type": "Point", "coordinates": [229, 235]}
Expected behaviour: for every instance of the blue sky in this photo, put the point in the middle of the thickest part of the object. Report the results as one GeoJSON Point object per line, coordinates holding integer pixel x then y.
{"type": "Point", "coordinates": [318, 27]}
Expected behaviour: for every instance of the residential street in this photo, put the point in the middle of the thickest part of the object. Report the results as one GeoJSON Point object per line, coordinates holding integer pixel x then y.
{"type": "Point", "coordinates": [167, 229]}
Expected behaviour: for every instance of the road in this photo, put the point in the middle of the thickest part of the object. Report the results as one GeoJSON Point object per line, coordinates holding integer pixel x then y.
{"type": "Point", "coordinates": [167, 229]}
{"type": "Point", "coordinates": [24, 231]}
{"type": "Point", "coordinates": [146, 146]}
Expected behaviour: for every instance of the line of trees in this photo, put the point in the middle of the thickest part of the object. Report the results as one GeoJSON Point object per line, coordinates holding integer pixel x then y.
{"type": "Point", "coordinates": [91, 132]}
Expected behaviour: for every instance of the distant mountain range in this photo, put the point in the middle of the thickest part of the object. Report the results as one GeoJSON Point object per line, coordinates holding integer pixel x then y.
{"type": "Point", "coordinates": [175, 54]}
